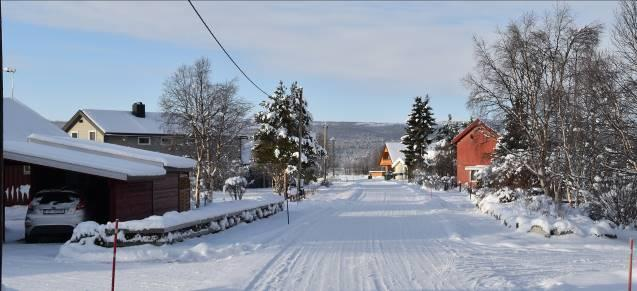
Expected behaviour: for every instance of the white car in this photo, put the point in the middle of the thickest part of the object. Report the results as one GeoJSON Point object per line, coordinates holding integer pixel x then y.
{"type": "Point", "coordinates": [53, 213]}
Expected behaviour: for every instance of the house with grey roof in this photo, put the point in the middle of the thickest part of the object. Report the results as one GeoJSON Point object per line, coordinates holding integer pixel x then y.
{"type": "Point", "coordinates": [119, 182]}
{"type": "Point", "coordinates": [136, 128]}
{"type": "Point", "coordinates": [140, 129]}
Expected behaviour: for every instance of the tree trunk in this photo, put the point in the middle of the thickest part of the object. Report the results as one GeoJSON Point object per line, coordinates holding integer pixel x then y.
{"type": "Point", "coordinates": [197, 180]}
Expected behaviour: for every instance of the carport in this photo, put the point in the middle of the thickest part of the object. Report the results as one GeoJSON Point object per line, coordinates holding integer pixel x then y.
{"type": "Point", "coordinates": [118, 182]}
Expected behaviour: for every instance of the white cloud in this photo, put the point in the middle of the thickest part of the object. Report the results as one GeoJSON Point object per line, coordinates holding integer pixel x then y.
{"type": "Point", "coordinates": [376, 41]}
{"type": "Point", "coordinates": [424, 45]}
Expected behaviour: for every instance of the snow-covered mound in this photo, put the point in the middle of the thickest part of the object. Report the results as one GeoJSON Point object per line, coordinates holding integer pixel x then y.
{"type": "Point", "coordinates": [538, 214]}
{"type": "Point", "coordinates": [176, 226]}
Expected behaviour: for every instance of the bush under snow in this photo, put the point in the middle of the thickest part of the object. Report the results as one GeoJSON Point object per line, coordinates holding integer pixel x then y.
{"type": "Point", "coordinates": [235, 187]}
{"type": "Point", "coordinates": [538, 213]}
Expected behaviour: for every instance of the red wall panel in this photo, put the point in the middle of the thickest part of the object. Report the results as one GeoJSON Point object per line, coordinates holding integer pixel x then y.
{"type": "Point", "coordinates": [473, 149]}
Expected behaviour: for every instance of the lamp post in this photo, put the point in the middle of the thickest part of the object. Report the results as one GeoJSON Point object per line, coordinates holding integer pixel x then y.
{"type": "Point", "coordinates": [12, 71]}
{"type": "Point", "coordinates": [333, 155]}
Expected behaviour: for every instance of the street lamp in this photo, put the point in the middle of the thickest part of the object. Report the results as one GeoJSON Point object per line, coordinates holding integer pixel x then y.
{"type": "Point", "coordinates": [12, 71]}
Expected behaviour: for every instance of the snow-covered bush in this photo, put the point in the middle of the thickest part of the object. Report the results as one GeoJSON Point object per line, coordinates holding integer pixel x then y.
{"type": "Point", "coordinates": [529, 212]}
{"type": "Point", "coordinates": [616, 200]}
{"type": "Point", "coordinates": [507, 171]}
{"type": "Point", "coordinates": [235, 187]}
{"type": "Point", "coordinates": [325, 183]}
{"type": "Point", "coordinates": [436, 182]}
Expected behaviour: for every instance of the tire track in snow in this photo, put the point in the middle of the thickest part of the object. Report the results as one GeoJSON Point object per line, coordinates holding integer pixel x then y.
{"type": "Point", "coordinates": [289, 236]}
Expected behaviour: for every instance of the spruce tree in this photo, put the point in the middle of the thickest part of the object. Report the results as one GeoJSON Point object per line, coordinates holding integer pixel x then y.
{"type": "Point", "coordinates": [311, 150]}
{"type": "Point", "coordinates": [511, 152]}
{"type": "Point", "coordinates": [444, 162]}
{"type": "Point", "coordinates": [416, 139]}
{"type": "Point", "coordinates": [277, 136]}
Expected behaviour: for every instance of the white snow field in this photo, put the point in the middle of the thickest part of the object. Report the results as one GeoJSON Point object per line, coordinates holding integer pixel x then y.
{"type": "Point", "coordinates": [360, 235]}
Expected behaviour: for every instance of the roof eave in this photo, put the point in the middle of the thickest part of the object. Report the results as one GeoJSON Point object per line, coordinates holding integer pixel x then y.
{"type": "Point", "coordinates": [65, 166]}
{"type": "Point", "coordinates": [78, 114]}
{"type": "Point", "coordinates": [469, 128]}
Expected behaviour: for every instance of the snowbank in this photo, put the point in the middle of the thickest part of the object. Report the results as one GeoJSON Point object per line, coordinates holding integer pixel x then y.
{"type": "Point", "coordinates": [176, 226]}
{"type": "Point", "coordinates": [537, 214]}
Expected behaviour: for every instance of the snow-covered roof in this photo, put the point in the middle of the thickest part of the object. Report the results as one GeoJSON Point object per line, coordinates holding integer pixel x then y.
{"type": "Point", "coordinates": [121, 121]}
{"type": "Point", "coordinates": [72, 160]}
{"type": "Point", "coordinates": [21, 121]}
{"type": "Point", "coordinates": [113, 150]}
{"type": "Point", "coordinates": [395, 152]}
{"type": "Point", "coordinates": [31, 138]}
{"type": "Point", "coordinates": [489, 125]}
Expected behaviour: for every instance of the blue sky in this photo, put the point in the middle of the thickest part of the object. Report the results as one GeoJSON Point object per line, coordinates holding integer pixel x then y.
{"type": "Point", "coordinates": [357, 61]}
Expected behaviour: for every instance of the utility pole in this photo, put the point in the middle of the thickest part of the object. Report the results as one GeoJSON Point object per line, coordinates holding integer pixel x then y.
{"type": "Point", "coordinates": [326, 156]}
{"type": "Point", "coordinates": [298, 181]}
{"type": "Point", "coordinates": [333, 156]}
{"type": "Point", "coordinates": [1, 151]}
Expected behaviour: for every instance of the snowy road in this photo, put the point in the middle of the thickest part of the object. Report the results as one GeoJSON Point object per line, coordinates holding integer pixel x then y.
{"type": "Point", "coordinates": [355, 236]}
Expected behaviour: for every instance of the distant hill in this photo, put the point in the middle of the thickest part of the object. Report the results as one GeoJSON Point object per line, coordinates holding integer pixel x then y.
{"type": "Point", "coordinates": [356, 140]}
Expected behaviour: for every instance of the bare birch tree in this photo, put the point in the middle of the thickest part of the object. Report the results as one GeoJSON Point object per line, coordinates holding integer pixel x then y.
{"type": "Point", "coordinates": [622, 114]}
{"type": "Point", "coordinates": [209, 115]}
{"type": "Point", "coordinates": [527, 74]}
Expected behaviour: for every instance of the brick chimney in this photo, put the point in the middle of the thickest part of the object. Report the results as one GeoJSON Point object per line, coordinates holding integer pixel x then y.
{"type": "Point", "coordinates": [139, 109]}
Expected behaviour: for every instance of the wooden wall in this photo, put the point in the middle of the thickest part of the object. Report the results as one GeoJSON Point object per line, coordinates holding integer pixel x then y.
{"type": "Point", "coordinates": [473, 149]}
{"type": "Point", "coordinates": [166, 194]}
{"type": "Point", "coordinates": [15, 180]}
{"type": "Point", "coordinates": [131, 200]}
{"type": "Point", "coordinates": [107, 199]}
{"type": "Point", "coordinates": [184, 192]}
{"type": "Point", "coordinates": [137, 200]}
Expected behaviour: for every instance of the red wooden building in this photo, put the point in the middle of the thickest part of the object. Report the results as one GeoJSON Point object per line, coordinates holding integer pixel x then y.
{"type": "Point", "coordinates": [475, 146]}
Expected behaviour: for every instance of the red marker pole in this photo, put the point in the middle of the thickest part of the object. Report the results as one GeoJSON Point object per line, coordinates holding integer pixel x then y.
{"type": "Point", "coordinates": [114, 255]}
{"type": "Point", "coordinates": [630, 266]}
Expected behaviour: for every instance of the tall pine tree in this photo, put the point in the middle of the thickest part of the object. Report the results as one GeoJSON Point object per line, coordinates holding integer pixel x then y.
{"type": "Point", "coordinates": [416, 139]}
{"type": "Point", "coordinates": [276, 139]}
{"type": "Point", "coordinates": [444, 161]}
{"type": "Point", "coordinates": [511, 152]}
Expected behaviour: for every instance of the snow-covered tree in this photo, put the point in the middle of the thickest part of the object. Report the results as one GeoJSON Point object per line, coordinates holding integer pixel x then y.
{"type": "Point", "coordinates": [210, 115]}
{"type": "Point", "coordinates": [416, 139]}
{"type": "Point", "coordinates": [511, 153]}
{"type": "Point", "coordinates": [276, 139]}
{"type": "Point", "coordinates": [443, 162]}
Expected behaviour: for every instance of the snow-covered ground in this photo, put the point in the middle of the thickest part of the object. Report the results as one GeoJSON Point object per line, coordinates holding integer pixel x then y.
{"type": "Point", "coordinates": [357, 235]}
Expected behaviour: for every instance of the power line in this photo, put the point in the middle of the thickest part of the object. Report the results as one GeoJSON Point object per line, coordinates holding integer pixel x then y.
{"type": "Point", "coordinates": [224, 49]}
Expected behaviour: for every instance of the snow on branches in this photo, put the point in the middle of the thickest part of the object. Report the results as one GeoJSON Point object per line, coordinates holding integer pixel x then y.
{"type": "Point", "coordinates": [277, 136]}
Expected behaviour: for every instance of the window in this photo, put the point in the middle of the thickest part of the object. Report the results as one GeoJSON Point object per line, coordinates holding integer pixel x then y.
{"type": "Point", "coordinates": [26, 170]}
{"type": "Point", "coordinates": [91, 134]}
{"type": "Point", "coordinates": [73, 134]}
{"type": "Point", "coordinates": [143, 140]}
{"type": "Point", "coordinates": [166, 141]}
{"type": "Point", "coordinates": [474, 175]}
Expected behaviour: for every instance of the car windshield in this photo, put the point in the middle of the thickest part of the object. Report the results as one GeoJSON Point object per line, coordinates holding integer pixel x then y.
{"type": "Point", "coordinates": [57, 197]}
